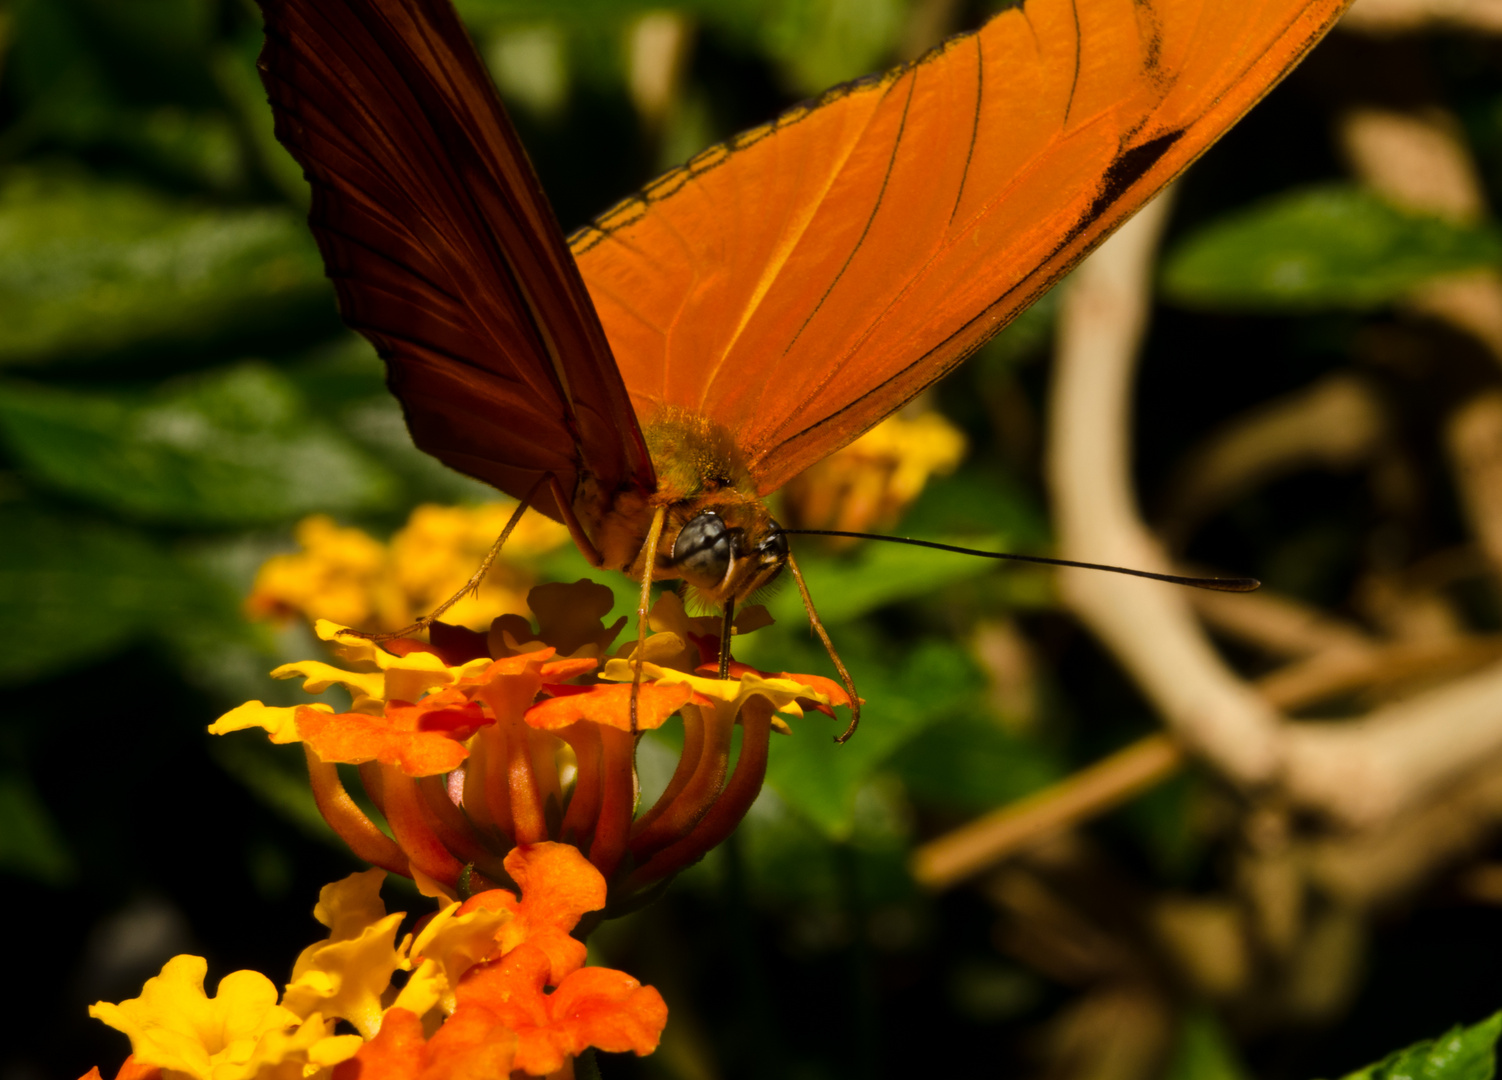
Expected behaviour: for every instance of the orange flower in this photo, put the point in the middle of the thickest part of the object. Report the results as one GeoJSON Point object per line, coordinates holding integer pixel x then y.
{"type": "Point", "coordinates": [421, 740]}
{"type": "Point", "coordinates": [472, 744]}
{"type": "Point", "coordinates": [554, 897]}
{"type": "Point", "coordinates": [130, 1069]}
{"type": "Point", "coordinates": [472, 1047]}
{"type": "Point", "coordinates": [497, 981]}
{"type": "Point", "coordinates": [589, 1007]}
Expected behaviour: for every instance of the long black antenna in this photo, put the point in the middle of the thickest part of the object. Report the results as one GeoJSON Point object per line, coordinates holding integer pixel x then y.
{"type": "Point", "coordinates": [1236, 584]}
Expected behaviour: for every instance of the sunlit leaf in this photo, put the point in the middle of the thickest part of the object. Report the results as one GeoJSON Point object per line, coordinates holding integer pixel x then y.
{"type": "Point", "coordinates": [1327, 247]}
{"type": "Point", "coordinates": [88, 267]}
{"type": "Point", "coordinates": [905, 695]}
{"type": "Point", "coordinates": [234, 447]}
{"type": "Point", "coordinates": [1462, 1053]}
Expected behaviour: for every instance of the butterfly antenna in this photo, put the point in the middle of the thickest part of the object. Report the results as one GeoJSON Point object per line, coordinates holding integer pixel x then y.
{"type": "Point", "coordinates": [1218, 584]}
{"type": "Point", "coordinates": [839, 665]}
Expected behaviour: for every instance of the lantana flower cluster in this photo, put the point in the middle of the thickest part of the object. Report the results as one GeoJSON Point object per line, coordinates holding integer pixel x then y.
{"type": "Point", "coordinates": [489, 988]}
{"type": "Point", "coordinates": [471, 744]}
{"type": "Point", "coordinates": [349, 577]}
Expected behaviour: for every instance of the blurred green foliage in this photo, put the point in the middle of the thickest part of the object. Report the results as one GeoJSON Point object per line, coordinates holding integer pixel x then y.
{"type": "Point", "coordinates": [1326, 247]}
{"type": "Point", "coordinates": [91, 268]}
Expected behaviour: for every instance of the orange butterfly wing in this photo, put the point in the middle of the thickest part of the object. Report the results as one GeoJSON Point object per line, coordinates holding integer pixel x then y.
{"type": "Point", "coordinates": [442, 247]}
{"type": "Point", "coordinates": [800, 282]}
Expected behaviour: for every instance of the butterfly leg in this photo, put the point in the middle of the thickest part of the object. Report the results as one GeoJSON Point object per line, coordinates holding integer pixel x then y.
{"type": "Point", "coordinates": [472, 586]}
{"type": "Point", "coordinates": [727, 628]}
{"type": "Point", "coordinates": [649, 562]}
{"type": "Point", "coordinates": [839, 665]}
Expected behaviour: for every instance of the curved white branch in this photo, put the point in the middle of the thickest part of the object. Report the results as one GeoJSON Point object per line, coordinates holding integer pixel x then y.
{"type": "Point", "coordinates": [1149, 626]}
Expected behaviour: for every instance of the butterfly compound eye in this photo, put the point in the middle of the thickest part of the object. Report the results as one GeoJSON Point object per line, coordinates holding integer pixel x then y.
{"type": "Point", "coordinates": [701, 553]}
{"type": "Point", "coordinates": [774, 549]}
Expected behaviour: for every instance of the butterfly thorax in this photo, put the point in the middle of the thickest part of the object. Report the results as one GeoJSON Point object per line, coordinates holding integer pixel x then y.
{"type": "Point", "coordinates": [718, 536]}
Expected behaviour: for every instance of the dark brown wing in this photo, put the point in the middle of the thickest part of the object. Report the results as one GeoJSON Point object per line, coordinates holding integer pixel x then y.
{"type": "Point", "coordinates": [443, 248]}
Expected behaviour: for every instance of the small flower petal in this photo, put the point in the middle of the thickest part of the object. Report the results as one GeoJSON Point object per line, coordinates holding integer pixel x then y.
{"type": "Point", "coordinates": [318, 677]}
{"type": "Point", "coordinates": [782, 691]}
{"type": "Point", "coordinates": [610, 1011]}
{"type": "Point", "coordinates": [610, 706]}
{"type": "Point", "coordinates": [558, 886]}
{"type": "Point", "coordinates": [451, 943]}
{"type": "Point", "coordinates": [176, 1026]}
{"type": "Point", "coordinates": [396, 1053]}
{"type": "Point", "coordinates": [345, 975]}
{"type": "Point", "coordinates": [591, 1007]}
{"type": "Point", "coordinates": [421, 740]}
{"type": "Point", "coordinates": [279, 722]}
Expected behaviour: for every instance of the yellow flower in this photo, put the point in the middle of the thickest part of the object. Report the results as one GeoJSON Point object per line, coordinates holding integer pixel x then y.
{"type": "Point", "coordinates": [349, 577]}
{"type": "Point", "coordinates": [477, 1004]}
{"type": "Point", "coordinates": [235, 1035]}
{"type": "Point", "coordinates": [345, 975]}
{"type": "Point", "coordinates": [868, 484]}
{"type": "Point", "coordinates": [441, 546]}
{"type": "Point", "coordinates": [449, 946]}
{"type": "Point", "coordinates": [339, 574]}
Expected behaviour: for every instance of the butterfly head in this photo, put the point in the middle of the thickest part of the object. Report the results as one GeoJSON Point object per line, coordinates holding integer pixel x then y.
{"type": "Point", "coordinates": [729, 552]}
{"type": "Point", "coordinates": [719, 538]}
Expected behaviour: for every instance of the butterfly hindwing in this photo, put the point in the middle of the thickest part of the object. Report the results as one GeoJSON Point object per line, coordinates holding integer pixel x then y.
{"type": "Point", "coordinates": [442, 247]}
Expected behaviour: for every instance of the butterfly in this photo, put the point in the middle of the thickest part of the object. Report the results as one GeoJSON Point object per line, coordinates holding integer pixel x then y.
{"type": "Point", "coordinates": [649, 380]}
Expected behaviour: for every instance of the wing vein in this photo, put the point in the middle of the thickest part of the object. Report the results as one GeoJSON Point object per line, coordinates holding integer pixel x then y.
{"type": "Point", "coordinates": [866, 230]}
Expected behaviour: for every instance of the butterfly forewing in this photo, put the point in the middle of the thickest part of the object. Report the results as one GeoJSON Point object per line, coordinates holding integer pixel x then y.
{"type": "Point", "coordinates": [442, 247]}
{"type": "Point", "coordinates": [804, 280]}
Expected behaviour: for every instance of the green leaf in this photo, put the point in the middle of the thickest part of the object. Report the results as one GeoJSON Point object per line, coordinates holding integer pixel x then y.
{"type": "Point", "coordinates": [120, 78]}
{"type": "Point", "coordinates": [89, 267]}
{"type": "Point", "coordinates": [815, 43]}
{"type": "Point", "coordinates": [820, 778]}
{"type": "Point", "coordinates": [1326, 247]}
{"type": "Point", "coordinates": [229, 448]}
{"type": "Point", "coordinates": [818, 43]}
{"type": "Point", "coordinates": [30, 844]}
{"type": "Point", "coordinates": [84, 588]}
{"type": "Point", "coordinates": [487, 13]}
{"type": "Point", "coordinates": [1462, 1053]}
{"type": "Point", "coordinates": [876, 575]}
{"type": "Point", "coordinates": [975, 501]}
{"type": "Point", "coordinates": [970, 764]}
{"type": "Point", "coordinates": [1203, 1051]}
